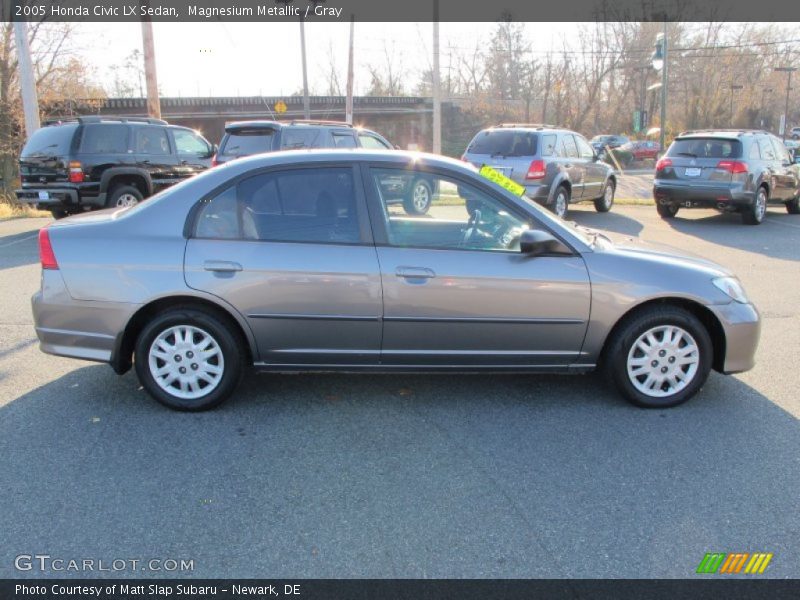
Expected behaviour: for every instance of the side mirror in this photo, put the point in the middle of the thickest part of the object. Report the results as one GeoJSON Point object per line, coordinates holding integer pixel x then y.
{"type": "Point", "coordinates": [535, 242]}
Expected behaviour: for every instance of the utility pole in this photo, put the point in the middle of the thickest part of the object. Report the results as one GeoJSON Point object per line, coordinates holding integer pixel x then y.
{"type": "Point", "coordinates": [306, 101]}
{"type": "Point", "coordinates": [437, 88]}
{"type": "Point", "coordinates": [151, 79]}
{"type": "Point", "coordinates": [789, 71]}
{"type": "Point", "coordinates": [348, 107]}
{"type": "Point", "coordinates": [660, 62]}
{"type": "Point", "coordinates": [30, 102]}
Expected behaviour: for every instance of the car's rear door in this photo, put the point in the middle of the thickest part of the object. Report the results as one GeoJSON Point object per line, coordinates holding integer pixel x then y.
{"type": "Point", "coordinates": [291, 250]}
{"type": "Point", "coordinates": [571, 163]}
{"type": "Point", "coordinates": [458, 292]}
{"type": "Point", "coordinates": [594, 172]}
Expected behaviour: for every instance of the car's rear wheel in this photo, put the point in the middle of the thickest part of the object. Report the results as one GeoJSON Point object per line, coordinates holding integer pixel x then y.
{"type": "Point", "coordinates": [560, 204]}
{"type": "Point", "coordinates": [755, 213]}
{"type": "Point", "coordinates": [124, 196]}
{"type": "Point", "coordinates": [793, 206]}
{"type": "Point", "coordinates": [59, 213]}
{"type": "Point", "coordinates": [659, 357]}
{"type": "Point", "coordinates": [606, 201]}
{"type": "Point", "coordinates": [188, 359]}
{"type": "Point", "coordinates": [419, 198]}
{"type": "Point", "coordinates": [667, 211]}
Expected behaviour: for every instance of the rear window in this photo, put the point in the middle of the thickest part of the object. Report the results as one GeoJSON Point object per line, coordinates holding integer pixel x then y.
{"type": "Point", "coordinates": [54, 140]}
{"type": "Point", "coordinates": [504, 143]}
{"type": "Point", "coordinates": [245, 142]}
{"type": "Point", "coordinates": [706, 148]}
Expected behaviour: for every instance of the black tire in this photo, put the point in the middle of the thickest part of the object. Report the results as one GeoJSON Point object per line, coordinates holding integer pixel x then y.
{"type": "Point", "coordinates": [604, 203]}
{"type": "Point", "coordinates": [229, 345]}
{"type": "Point", "coordinates": [59, 213]}
{"type": "Point", "coordinates": [793, 206]}
{"type": "Point", "coordinates": [625, 336]}
{"type": "Point", "coordinates": [755, 213]}
{"type": "Point", "coordinates": [419, 197]}
{"type": "Point", "coordinates": [667, 211]}
{"type": "Point", "coordinates": [560, 204]}
{"type": "Point", "coordinates": [124, 195]}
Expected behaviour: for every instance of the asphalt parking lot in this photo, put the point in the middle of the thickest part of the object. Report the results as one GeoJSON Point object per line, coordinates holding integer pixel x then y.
{"type": "Point", "coordinates": [405, 475]}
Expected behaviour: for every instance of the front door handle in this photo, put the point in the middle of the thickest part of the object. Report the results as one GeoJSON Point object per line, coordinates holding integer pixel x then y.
{"type": "Point", "coordinates": [415, 273]}
{"type": "Point", "coordinates": [221, 266]}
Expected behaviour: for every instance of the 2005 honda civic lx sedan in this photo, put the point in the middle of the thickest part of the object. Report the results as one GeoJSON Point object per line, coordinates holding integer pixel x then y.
{"type": "Point", "coordinates": [295, 261]}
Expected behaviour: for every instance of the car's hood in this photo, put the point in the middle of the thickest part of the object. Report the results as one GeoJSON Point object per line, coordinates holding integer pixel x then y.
{"type": "Point", "coordinates": [638, 249]}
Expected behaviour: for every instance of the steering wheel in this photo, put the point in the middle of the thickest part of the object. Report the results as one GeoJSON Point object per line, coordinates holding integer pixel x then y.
{"type": "Point", "coordinates": [472, 227]}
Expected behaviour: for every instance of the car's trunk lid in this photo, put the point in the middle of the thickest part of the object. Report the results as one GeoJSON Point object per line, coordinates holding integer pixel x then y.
{"type": "Point", "coordinates": [45, 157]}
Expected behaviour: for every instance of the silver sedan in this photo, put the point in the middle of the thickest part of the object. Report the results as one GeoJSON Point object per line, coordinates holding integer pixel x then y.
{"type": "Point", "coordinates": [299, 261]}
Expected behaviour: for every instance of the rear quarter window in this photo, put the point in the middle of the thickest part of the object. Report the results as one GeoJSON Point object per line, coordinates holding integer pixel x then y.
{"type": "Point", "coordinates": [498, 142]}
{"type": "Point", "coordinates": [247, 142]}
{"type": "Point", "coordinates": [53, 140]}
{"type": "Point", "coordinates": [706, 148]}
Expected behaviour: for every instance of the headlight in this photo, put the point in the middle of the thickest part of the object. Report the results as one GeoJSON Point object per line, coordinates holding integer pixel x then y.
{"type": "Point", "coordinates": [731, 287]}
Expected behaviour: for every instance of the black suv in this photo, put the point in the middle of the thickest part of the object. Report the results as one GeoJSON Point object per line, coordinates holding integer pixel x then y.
{"type": "Point", "coordinates": [730, 170]}
{"type": "Point", "coordinates": [70, 166]}
{"type": "Point", "coordinates": [244, 138]}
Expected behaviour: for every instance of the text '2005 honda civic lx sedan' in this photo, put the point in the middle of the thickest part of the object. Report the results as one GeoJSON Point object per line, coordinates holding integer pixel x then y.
{"type": "Point", "coordinates": [296, 261]}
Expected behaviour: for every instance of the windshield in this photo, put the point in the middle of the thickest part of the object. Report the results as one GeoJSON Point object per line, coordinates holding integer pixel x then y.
{"type": "Point", "coordinates": [53, 140]}
{"type": "Point", "coordinates": [246, 142]}
{"type": "Point", "coordinates": [504, 143]}
{"type": "Point", "coordinates": [710, 147]}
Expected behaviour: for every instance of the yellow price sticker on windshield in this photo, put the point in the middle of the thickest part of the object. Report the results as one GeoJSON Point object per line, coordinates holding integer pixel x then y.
{"type": "Point", "coordinates": [501, 180]}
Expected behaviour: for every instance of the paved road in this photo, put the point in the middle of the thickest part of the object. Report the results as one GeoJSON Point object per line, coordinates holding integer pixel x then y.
{"type": "Point", "coordinates": [412, 476]}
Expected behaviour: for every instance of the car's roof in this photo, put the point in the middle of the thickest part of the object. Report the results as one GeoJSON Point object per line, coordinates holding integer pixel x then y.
{"type": "Point", "coordinates": [720, 133]}
{"type": "Point", "coordinates": [272, 124]}
{"type": "Point", "coordinates": [398, 157]}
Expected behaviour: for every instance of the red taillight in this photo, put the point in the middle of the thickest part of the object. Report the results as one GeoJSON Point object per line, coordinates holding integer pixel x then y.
{"type": "Point", "coordinates": [732, 166]}
{"type": "Point", "coordinates": [663, 164]}
{"type": "Point", "coordinates": [214, 161]}
{"type": "Point", "coordinates": [536, 170]}
{"type": "Point", "coordinates": [75, 172]}
{"type": "Point", "coordinates": [46, 254]}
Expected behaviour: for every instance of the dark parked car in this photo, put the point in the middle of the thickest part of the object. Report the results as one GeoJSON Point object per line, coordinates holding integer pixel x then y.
{"type": "Point", "coordinates": [297, 261]}
{"type": "Point", "coordinates": [245, 138]}
{"type": "Point", "coordinates": [74, 165]}
{"type": "Point", "coordinates": [601, 142]}
{"type": "Point", "coordinates": [557, 166]}
{"type": "Point", "coordinates": [732, 171]}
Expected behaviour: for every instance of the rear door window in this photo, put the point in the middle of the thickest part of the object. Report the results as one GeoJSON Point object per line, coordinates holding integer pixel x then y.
{"type": "Point", "coordinates": [568, 147]}
{"type": "Point", "coordinates": [549, 145]}
{"type": "Point", "coordinates": [755, 153]}
{"type": "Point", "coordinates": [293, 138]}
{"type": "Point", "coordinates": [151, 140]}
{"type": "Point", "coordinates": [767, 151]}
{"type": "Point", "coordinates": [500, 142]}
{"type": "Point", "coordinates": [370, 141]}
{"type": "Point", "coordinates": [706, 148]}
{"type": "Point", "coordinates": [343, 139]}
{"type": "Point", "coordinates": [54, 140]}
{"type": "Point", "coordinates": [105, 139]}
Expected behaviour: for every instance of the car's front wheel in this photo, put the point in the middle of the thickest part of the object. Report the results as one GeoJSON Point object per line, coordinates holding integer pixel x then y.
{"type": "Point", "coordinates": [419, 198]}
{"type": "Point", "coordinates": [188, 359]}
{"type": "Point", "coordinates": [606, 201]}
{"type": "Point", "coordinates": [659, 357]}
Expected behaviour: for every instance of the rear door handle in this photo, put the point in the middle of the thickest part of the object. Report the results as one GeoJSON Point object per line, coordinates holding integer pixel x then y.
{"type": "Point", "coordinates": [221, 266]}
{"type": "Point", "coordinates": [415, 273]}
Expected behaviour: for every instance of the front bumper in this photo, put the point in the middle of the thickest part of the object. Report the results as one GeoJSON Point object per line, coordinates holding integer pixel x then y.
{"type": "Point", "coordinates": [77, 328]}
{"type": "Point", "coordinates": [703, 196]}
{"type": "Point", "coordinates": [741, 324]}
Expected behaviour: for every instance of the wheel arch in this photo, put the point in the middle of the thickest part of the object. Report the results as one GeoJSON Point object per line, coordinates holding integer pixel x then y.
{"type": "Point", "coordinates": [708, 319]}
{"type": "Point", "coordinates": [130, 176]}
{"type": "Point", "coordinates": [122, 356]}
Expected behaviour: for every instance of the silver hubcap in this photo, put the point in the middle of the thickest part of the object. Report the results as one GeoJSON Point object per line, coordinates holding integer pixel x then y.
{"type": "Point", "coordinates": [421, 197]}
{"type": "Point", "coordinates": [186, 362]}
{"type": "Point", "coordinates": [663, 361]}
{"type": "Point", "coordinates": [608, 196]}
{"type": "Point", "coordinates": [126, 200]}
{"type": "Point", "coordinates": [561, 204]}
{"type": "Point", "coordinates": [761, 205]}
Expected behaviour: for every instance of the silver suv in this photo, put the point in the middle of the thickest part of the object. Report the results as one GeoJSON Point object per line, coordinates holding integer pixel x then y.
{"type": "Point", "coordinates": [557, 166]}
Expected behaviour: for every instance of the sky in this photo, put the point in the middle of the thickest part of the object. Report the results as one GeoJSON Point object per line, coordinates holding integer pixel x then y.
{"type": "Point", "coordinates": [230, 59]}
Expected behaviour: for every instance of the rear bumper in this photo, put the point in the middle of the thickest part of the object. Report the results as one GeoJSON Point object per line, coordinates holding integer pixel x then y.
{"type": "Point", "coordinates": [76, 328]}
{"type": "Point", "coordinates": [59, 197]}
{"type": "Point", "coordinates": [702, 196]}
{"type": "Point", "coordinates": [540, 193]}
{"type": "Point", "coordinates": [742, 326]}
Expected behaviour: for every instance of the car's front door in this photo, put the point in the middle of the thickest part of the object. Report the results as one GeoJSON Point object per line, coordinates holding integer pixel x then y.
{"type": "Point", "coordinates": [458, 292]}
{"type": "Point", "coordinates": [785, 172]}
{"type": "Point", "coordinates": [194, 153]}
{"type": "Point", "coordinates": [291, 250]}
{"type": "Point", "coordinates": [153, 153]}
